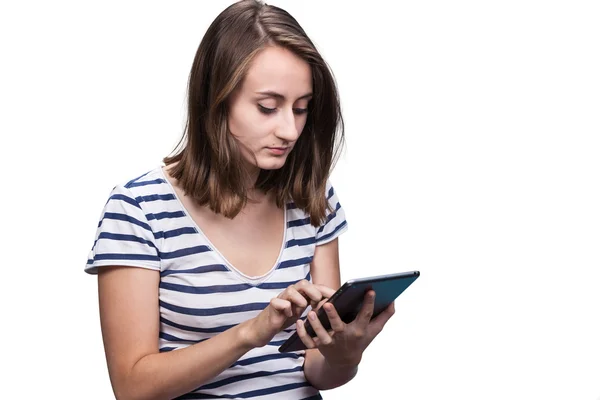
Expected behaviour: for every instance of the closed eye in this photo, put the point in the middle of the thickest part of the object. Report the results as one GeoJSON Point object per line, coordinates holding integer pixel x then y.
{"type": "Point", "coordinates": [266, 110]}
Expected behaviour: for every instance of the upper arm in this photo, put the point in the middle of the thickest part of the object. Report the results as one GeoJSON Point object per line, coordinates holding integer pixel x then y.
{"type": "Point", "coordinates": [129, 317]}
{"type": "Point", "coordinates": [325, 267]}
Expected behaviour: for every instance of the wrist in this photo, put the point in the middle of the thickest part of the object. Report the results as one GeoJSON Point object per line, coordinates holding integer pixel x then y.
{"type": "Point", "coordinates": [347, 365]}
{"type": "Point", "coordinates": [246, 335]}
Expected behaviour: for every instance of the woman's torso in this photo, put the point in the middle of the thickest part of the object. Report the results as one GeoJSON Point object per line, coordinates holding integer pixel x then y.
{"type": "Point", "coordinates": [207, 287]}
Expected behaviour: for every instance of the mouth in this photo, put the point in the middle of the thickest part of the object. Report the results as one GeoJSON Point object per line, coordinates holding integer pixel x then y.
{"type": "Point", "coordinates": [278, 150]}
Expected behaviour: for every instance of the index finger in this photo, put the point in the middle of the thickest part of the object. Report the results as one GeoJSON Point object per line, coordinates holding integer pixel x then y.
{"type": "Point", "coordinates": [314, 292]}
{"type": "Point", "coordinates": [326, 291]}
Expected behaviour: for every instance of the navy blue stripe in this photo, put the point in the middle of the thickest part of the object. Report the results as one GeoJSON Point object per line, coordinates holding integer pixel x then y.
{"type": "Point", "coordinates": [166, 349]}
{"type": "Point", "coordinates": [244, 377]}
{"type": "Point", "coordinates": [175, 232]}
{"type": "Point", "coordinates": [172, 338]}
{"type": "Point", "coordinates": [325, 237]}
{"type": "Point", "coordinates": [306, 221]}
{"type": "Point", "coordinates": [300, 242]}
{"type": "Point", "coordinates": [298, 222]}
{"type": "Point", "coordinates": [205, 289]}
{"type": "Point", "coordinates": [124, 198]}
{"type": "Point", "coordinates": [330, 193]}
{"type": "Point", "coordinates": [217, 329]}
{"type": "Point", "coordinates": [277, 343]}
{"type": "Point", "coordinates": [184, 252]}
{"type": "Point", "coordinates": [275, 285]}
{"type": "Point", "coordinates": [197, 270]}
{"type": "Point", "coordinates": [125, 256]}
{"type": "Point", "coordinates": [90, 261]}
{"type": "Point", "coordinates": [126, 218]}
{"type": "Point", "coordinates": [280, 285]}
{"type": "Point", "coordinates": [128, 184]}
{"type": "Point", "coordinates": [246, 395]}
{"type": "Point", "coordinates": [259, 359]}
{"type": "Point", "coordinates": [296, 262]}
{"type": "Point", "coordinates": [203, 312]}
{"type": "Point", "coordinates": [156, 197]}
{"type": "Point", "coordinates": [331, 216]}
{"type": "Point", "coordinates": [126, 238]}
{"type": "Point", "coordinates": [165, 214]}
{"type": "Point", "coordinates": [145, 183]}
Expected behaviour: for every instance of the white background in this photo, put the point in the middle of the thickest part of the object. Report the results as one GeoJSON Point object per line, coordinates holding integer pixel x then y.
{"type": "Point", "coordinates": [473, 155]}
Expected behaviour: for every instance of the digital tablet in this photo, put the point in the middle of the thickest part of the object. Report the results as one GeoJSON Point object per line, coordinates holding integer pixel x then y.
{"type": "Point", "coordinates": [348, 300]}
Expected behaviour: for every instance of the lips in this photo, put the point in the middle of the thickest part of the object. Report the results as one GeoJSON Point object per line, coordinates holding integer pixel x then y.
{"type": "Point", "coordinates": [278, 151]}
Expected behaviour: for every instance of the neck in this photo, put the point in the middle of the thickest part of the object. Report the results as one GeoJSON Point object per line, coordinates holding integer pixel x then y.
{"type": "Point", "coordinates": [254, 194]}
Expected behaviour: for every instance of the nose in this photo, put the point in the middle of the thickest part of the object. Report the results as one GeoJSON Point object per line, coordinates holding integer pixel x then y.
{"type": "Point", "coordinates": [287, 129]}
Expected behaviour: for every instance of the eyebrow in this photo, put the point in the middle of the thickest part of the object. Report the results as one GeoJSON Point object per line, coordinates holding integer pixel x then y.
{"type": "Point", "coordinates": [280, 96]}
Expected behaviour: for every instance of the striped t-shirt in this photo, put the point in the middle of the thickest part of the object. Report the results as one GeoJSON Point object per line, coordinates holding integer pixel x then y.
{"type": "Point", "coordinates": [144, 224]}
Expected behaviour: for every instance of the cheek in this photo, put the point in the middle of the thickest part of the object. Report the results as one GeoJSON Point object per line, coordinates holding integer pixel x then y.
{"type": "Point", "coordinates": [243, 124]}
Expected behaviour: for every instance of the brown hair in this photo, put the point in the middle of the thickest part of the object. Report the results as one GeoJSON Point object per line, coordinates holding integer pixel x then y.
{"type": "Point", "coordinates": [209, 162]}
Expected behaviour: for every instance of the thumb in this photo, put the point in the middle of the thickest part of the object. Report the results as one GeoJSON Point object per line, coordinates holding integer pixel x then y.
{"type": "Point", "coordinates": [379, 321]}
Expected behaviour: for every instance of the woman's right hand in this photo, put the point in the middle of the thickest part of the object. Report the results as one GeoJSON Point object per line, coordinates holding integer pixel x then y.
{"type": "Point", "coordinates": [285, 309]}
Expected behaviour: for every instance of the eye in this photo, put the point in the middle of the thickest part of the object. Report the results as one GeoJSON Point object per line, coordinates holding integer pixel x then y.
{"type": "Point", "coordinates": [299, 111]}
{"type": "Point", "coordinates": [266, 110]}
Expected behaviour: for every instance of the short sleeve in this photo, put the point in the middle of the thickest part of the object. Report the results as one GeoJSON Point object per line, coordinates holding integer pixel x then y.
{"type": "Point", "coordinates": [335, 223]}
{"type": "Point", "coordinates": [124, 236]}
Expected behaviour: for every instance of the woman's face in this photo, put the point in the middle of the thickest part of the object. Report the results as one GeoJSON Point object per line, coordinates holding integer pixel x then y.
{"type": "Point", "coordinates": [268, 112]}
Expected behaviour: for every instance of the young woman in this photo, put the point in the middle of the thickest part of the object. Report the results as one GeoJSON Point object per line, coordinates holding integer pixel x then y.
{"type": "Point", "coordinates": [206, 265]}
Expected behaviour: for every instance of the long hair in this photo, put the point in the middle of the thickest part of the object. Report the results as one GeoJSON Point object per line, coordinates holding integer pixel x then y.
{"type": "Point", "coordinates": [209, 163]}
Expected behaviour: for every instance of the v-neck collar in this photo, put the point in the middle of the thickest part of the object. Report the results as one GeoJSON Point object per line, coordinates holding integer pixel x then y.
{"type": "Point", "coordinates": [252, 280]}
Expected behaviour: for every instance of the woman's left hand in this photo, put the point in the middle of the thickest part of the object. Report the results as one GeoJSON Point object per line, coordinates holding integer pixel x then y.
{"type": "Point", "coordinates": [344, 345]}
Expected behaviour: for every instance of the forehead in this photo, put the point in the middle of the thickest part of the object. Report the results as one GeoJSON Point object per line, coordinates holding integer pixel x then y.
{"type": "Point", "coordinates": [279, 70]}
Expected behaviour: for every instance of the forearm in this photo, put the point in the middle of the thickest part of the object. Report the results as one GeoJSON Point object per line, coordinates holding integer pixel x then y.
{"type": "Point", "coordinates": [323, 376]}
{"type": "Point", "coordinates": [171, 374]}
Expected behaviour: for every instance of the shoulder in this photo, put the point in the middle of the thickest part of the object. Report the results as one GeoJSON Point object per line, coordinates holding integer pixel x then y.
{"type": "Point", "coordinates": [149, 180]}
{"type": "Point", "coordinates": [150, 185]}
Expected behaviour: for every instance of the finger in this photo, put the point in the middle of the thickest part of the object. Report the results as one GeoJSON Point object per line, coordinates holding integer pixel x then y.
{"type": "Point", "coordinates": [366, 311]}
{"type": "Point", "coordinates": [320, 304]}
{"type": "Point", "coordinates": [322, 334]}
{"type": "Point", "coordinates": [304, 336]}
{"type": "Point", "coordinates": [282, 306]}
{"type": "Point", "coordinates": [295, 297]}
{"type": "Point", "coordinates": [310, 292]}
{"type": "Point", "coordinates": [325, 290]}
{"type": "Point", "coordinates": [334, 318]}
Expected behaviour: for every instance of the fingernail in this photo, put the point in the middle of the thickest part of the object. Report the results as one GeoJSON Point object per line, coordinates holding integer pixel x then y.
{"type": "Point", "coordinates": [312, 316]}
